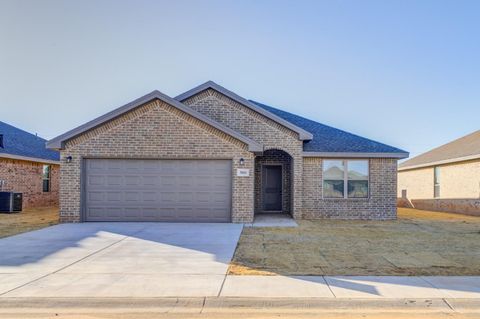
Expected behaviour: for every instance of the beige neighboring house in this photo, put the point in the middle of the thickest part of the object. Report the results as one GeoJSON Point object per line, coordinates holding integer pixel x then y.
{"type": "Point", "coordinates": [446, 178]}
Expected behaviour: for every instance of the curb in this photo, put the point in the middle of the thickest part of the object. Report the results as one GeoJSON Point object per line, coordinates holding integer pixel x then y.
{"type": "Point", "coordinates": [236, 305]}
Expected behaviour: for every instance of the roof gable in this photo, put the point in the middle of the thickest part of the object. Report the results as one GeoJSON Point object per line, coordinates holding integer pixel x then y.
{"type": "Point", "coordinates": [303, 134]}
{"type": "Point", "coordinates": [328, 141]}
{"type": "Point", "coordinates": [464, 148]}
{"type": "Point", "coordinates": [24, 145]}
{"type": "Point", "coordinates": [59, 141]}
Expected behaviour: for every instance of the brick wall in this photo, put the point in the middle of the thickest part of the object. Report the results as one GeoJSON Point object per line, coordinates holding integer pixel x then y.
{"type": "Point", "coordinates": [457, 180]}
{"type": "Point", "coordinates": [459, 188]}
{"type": "Point", "coordinates": [381, 204]}
{"type": "Point", "coordinates": [26, 177]}
{"type": "Point", "coordinates": [155, 130]}
{"type": "Point", "coordinates": [258, 127]}
{"type": "Point", "coordinates": [418, 183]}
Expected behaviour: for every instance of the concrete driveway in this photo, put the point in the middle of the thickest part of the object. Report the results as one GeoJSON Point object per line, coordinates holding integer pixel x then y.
{"type": "Point", "coordinates": [118, 259]}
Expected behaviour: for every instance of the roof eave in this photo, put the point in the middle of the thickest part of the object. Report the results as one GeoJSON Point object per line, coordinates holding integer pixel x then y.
{"type": "Point", "coordinates": [29, 158]}
{"type": "Point", "coordinates": [441, 162]}
{"type": "Point", "coordinates": [397, 155]}
{"type": "Point", "coordinates": [303, 135]}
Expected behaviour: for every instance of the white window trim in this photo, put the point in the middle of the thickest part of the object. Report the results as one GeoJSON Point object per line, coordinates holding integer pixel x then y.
{"type": "Point", "coordinates": [345, 179]}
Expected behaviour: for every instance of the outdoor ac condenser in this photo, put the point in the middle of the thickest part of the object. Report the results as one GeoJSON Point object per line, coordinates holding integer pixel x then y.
{"type": "Point", "coordinates": [10, 202]}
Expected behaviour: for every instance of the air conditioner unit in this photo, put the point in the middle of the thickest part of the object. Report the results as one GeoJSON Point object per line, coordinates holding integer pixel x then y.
{"type": "Point", "coordinates": [10, 202]}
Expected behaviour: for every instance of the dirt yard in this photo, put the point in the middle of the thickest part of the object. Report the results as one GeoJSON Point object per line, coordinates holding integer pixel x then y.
{"type": "Point", "coordinates": [27, 220]}
{"type": "Point", "coordinates": [418, 243]}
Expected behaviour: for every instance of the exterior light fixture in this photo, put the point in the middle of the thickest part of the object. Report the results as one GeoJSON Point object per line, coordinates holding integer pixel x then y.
{"type": "Point", "coordinates": [68, 159]}
{"type": "Point", "coordinates": [242, 161]}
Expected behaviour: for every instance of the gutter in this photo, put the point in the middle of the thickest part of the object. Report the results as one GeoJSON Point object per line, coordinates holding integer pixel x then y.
{"type": "Point", "coordinates": [355, 155]}
{"type": "Point", "coordinates": [446, 161]}
{"type": "Point", "coordinates": [29, 159]}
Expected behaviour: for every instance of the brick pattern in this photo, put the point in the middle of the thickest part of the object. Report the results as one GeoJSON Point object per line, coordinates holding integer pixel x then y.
{"type": "Point", "coordinates": [381, 205]}
{"type": "Point", "coordinates": [158, 130]}
{"type": "Point", "coordinates": [26, 177]}
{"type": "Point", "coordinates": [155, 130]}
{"type": "Point", "coordinates": [259, 128]}
{"type": "Point", "coordinates": [457, 181]}
{"type": "Point", "coordinates": [274, 157]}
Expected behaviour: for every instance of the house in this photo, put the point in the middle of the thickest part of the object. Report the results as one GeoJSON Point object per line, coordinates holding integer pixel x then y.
{"type": "Point", "coordinates": [446, 178]}
{"type": "Point", "coordinates": [28, 167]}
{"type": "Point", "coordinates": [210, 155]}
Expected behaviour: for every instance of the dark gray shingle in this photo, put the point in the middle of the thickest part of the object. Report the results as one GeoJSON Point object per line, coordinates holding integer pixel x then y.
{"type": "Point", "coordinates": [330, 139]}
{"type": "Point", "coordinates": [21, 143]}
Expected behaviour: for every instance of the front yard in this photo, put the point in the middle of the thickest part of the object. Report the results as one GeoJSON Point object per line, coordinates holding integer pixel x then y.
{"type": "Point", "coordinates": [27, 220]}
{"type": "Point", "coordinates": [418, 243]}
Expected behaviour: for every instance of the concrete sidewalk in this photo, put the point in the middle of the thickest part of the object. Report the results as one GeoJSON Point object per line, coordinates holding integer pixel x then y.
{"type": "Point", "coordinates": [325, 287]}
{"type": "Point", "coordinates": [351, 287]}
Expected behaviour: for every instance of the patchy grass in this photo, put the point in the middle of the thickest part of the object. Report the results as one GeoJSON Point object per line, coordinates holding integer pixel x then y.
{"type": "Point", "coordinates": [417, 243]}
{"type": "Point", "coordinates": [27, 220]}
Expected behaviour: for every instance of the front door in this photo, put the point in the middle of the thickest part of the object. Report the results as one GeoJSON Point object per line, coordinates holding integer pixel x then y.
{"type": "Point", "coordinates": [272, 187]}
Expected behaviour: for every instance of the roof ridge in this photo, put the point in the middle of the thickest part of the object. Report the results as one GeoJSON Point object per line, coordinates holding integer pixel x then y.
{"type": "Point", "coordinates": [303, 134]}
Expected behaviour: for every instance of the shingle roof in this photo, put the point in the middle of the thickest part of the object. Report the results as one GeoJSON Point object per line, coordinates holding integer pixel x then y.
{"type": "Point", "coordinates": [20, 143]}
{"type": "Point", "coordinates": [460, 149]}
{"type": "Point", "coordinates": [328, 139]}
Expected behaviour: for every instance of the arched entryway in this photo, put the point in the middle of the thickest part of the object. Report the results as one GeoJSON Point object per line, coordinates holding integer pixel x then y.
{"type": "Point", "coordinates": [273, 182]}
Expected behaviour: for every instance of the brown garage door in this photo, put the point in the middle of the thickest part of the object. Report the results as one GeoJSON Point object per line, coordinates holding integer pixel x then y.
{"type": "Point", "coordinates": [158, 190]}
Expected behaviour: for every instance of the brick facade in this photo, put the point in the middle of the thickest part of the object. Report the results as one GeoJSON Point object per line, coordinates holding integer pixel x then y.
{"type": "Point", "coordinates": [258, 127]}
{"type": "Point", "coordinates": [381, 204]}
{"type": "Point", "coordinates": [459, 190]}
{"type": "Point", "coordinates": [155, 130]}
{"type": "Point", "coordinates": [26, 177]}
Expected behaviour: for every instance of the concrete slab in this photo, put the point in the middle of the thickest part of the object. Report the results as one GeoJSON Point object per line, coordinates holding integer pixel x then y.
{"type": "Point", "coordinates": [12, 281]}
{"type": "Point", "coordinates": [382, 287]}
{"type": "Point", "coordinates": [273, 220]}
{"type": "Point", "coordinates": [120, 285]}
{"type": "Point", "coordinates": [276, 287]}
{"type": "Point", "coordinates": [456, 286]}
{"type": "Point", "coordinates": [116, 259]}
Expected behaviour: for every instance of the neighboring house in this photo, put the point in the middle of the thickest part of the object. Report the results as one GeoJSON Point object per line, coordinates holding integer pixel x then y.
{"type": "Point", "coordinates": [446, 178]}
{"type": "Point", "coordinates": [28, 167]}
{"type": "Point", "coordinates": [211, 155]}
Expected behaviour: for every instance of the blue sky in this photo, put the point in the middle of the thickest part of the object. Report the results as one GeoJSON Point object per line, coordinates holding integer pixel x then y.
{"type": "Point", "coordinates": [406, 73]}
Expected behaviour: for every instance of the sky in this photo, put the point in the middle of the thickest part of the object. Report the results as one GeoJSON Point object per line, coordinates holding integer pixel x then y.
{"type": "Point", "coordinates": [402, 72]}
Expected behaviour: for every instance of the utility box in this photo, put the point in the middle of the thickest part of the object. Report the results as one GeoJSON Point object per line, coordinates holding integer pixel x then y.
{"type": "Point", "coordinates": [10, 202]}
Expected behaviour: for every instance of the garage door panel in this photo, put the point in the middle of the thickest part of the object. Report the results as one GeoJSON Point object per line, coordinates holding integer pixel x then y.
{"type": "Point", "coordinates": [158, 190]}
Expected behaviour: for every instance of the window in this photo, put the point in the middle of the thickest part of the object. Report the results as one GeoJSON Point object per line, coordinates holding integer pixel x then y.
{"type": "Point", "coordinates": [333, 179]}
{"type": "Point", "coordinates": [436, 181]}
{"type": "Point", "coordinates": [1, 141]}
{"type": "Point", "coordinates": [345, 178]}
{"type": "Point", "coordinates": [46, 178]}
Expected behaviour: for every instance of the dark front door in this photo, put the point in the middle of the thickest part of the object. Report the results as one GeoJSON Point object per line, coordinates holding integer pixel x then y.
{"type": "Point", "coordinates": [272, 187]}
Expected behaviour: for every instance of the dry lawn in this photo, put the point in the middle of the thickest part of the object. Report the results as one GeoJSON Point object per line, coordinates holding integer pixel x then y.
{"type": "Point", "coordinates": [418, 243]}
{"type": "Point", "coordinates": [27, 220]}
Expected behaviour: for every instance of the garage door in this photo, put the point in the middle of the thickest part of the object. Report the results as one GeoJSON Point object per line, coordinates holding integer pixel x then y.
{"type": "Point", "coordinates": [158, 190]}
